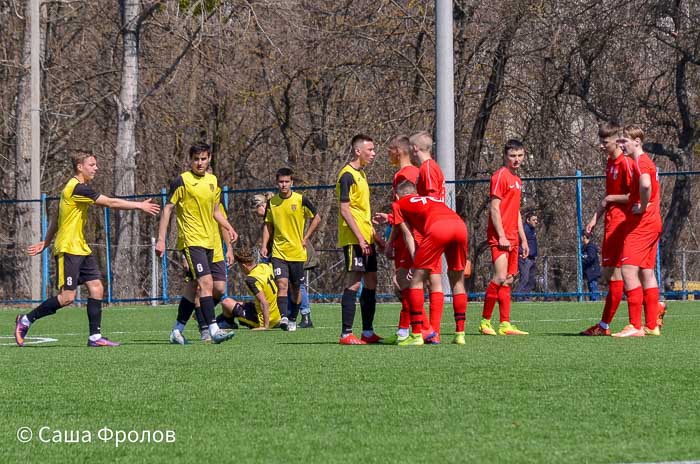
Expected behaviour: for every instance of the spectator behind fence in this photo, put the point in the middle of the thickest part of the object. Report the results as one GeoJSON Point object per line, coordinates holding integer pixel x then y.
{"type": "Point", "coordinates": [527, 266]}
{"type": "Point", "coordinates": [591, 265]}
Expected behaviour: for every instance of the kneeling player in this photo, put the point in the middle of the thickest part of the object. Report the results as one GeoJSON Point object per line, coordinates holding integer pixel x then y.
{"type": "Point", "coordinates": [262, 313]}
{"type": "Point", "coordinates": [442, 231]}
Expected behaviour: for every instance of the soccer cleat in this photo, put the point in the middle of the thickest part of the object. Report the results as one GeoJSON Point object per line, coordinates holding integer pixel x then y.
{"type": "Point", "coordinates": [222, 336]}
{"type": "Point", "coordinates": [434, 340]}
{"type": "Point", "coordinates": [205, 336]}
{"type": "Point", "coordinates": [413, 340]}
{"type": "Point", "coordinates": [429, 336]}
{"type": "Point", "coordinates": [351, 340]}
{"type": "Point", "coordinates": [20, 330]}
{"type": "Point", "coordinates": [486, 328]}
{"type": "Point", "coordinates": [284, 323]}
{"type": "Point", "coordinates": [459, 339]}
{"type": "Point", "coordinates": [393, 339]}
{"type": "Point", "coordinates": [662, 314]}
{"type": "Point", "coordinates": [291, 326]}
{"type": "Point", "coordinates": [506, 328]}
{"type": "Point", "coordinates": [595, 331]}
{"type": "Point", "coordinates": [656, 332]}
{"type": "Point", "coordinates": [372, 339]}
{"type": "Point", "coordinates": [102, 341]}
{"type": "Point", "coordinates": [306, 322]}
{"type": "Point", "coordinates": [176, 338]}
{"type": "Point", "coordinates": [629, 331]}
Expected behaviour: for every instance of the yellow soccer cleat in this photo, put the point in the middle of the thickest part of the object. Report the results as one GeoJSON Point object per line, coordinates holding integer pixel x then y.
{"type": "Point", "coordinates": [506, 328]}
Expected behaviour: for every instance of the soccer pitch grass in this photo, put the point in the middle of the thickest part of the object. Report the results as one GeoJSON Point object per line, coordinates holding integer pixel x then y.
{"type": "Point", "coordinates": [301, 397]}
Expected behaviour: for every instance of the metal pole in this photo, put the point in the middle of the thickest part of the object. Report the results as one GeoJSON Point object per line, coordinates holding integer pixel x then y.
{"type": "Point", "coordinates": [225, 192]}
{"type": "Point", "coordinates": [579, 229]}
{"type": "Point", "coordinates": [444, 105]}
{"type": "Point", "coordinates": [164, 259]}
{"type": "Point", "coordinates": [684, 275]}
{"type": "Point", "coordinates": [45, 252]}
{"type": "Point", "coordinates": [108, 255]}
{"type": "Point", "coordinates": [154, 272]}
{"type": "Point", "coordinates": [35, 121]}
{"type": "Point", "coordinates": [545, 280]}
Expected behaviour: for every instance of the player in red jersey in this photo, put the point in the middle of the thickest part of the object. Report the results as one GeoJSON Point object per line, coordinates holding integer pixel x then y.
{"type": "Point", "coordinates": [431, 183]}
{"type": "Point", "coordinates": [442, 231]}
{"type": "Point", "coordinates": [400, 155]}
{"type": "Point", "coordinates": [643, 226]}
{"type": "Point", "coordinates": [504, 229]}
{"type": "Point", "coordinates": [613, 208]}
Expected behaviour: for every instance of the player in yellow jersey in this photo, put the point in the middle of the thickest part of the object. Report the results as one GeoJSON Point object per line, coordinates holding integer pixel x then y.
{"type": "Point", "coordinates": [357, 237]}
{"type": "Point", "coordinates": [262, 313]}
{"type": "Point", "coordinates": [285, 217]}
{"type": "Point", "coordinates": [193, 197]}
{"type": "Point", "coordinates": [75, 264]}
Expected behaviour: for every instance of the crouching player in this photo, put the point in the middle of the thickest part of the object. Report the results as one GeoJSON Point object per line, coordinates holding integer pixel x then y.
{"type": "Point", "coordinates": [643, 226]}
{"type": "Point", "coordinates": [442, 231]}
{"type": "Point", "coordinates": [262, 313]}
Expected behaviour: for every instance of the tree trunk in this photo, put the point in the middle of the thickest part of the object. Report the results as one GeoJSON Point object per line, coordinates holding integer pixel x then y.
{"type": "Point", "coordinates": [127, 222]}
{"type": "Point", "coordinates": [28, 281]}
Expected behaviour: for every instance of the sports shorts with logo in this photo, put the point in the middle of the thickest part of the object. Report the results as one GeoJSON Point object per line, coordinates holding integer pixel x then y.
{"type": "Point", "coordinates": [355, 261]}
{"type": "Point", "coordinates": [198, 261]}
{"type": "Point", "coordinates": [292, 270]}
{"type": "Point", "coordinates": [74, 270]}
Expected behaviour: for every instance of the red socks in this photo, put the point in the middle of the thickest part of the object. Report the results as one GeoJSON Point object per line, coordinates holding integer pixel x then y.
{"type": "Point", "coordinates": [504, 303]}
{"type": "Point", "coordinates": [437, 305]}
{"type": "Point", "coordinates": [612, 301]}
{"type": "Point", "coordinates": [415, 296]}
{"type": "Point", "coordinates": [490, 300]}
{"type": "Point", "coordinates": [405, 316]}
{"type": "Point", "coordinates": [634, 303]}
{"type": "Point", "coordinates": [459, 303]}
{"type": "Point", "coordinates": [651, 307]}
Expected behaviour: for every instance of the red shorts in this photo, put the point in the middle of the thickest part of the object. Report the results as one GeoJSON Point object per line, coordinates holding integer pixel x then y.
{"type": "Point", "coordinates": [640, 248]}
{"type": "Point", "coordinates": [449, 237]}
{"type": "Point", "coordinates": [512, 257]}
{"type": "Point", "coordinates": [402, 256]}
{"type": "Point", "coordinates": [613, 241]}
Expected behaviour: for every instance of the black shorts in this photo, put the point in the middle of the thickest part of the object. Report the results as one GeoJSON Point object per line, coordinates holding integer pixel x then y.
{"type": "Point", "coordinates": [355, 261]}
{"type": "Point", "coordinates": [74, 270]}
{"type": "Point", "coordinates": [292, 270]}
{"type": "Point", "coordinates": [198, 261]}
{"type": "Point", "coordinates": [218, 271]}
{"type": "Point", "coordinates": [247, 315]}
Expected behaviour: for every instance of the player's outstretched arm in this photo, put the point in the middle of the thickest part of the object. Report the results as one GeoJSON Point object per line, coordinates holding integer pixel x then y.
{"type": "Point", "coordinates": [265, 308]}
{"type": "Point", "coordinates": [223, 222]}
{"type": "Point", "coordinates": [38, 247]}
{"type": "Point", "coordinates": [147, 205]}
{"type": "Point", "coordinates": [163, 228]}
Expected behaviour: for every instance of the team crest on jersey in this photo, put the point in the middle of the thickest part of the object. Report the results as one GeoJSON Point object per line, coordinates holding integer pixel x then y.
{"type": "Point", "coordinates": [294, 208]}
{"type": "Point", "coordinates": [211, 187]}
{"type": "Point", "coordinates": [614, 171]}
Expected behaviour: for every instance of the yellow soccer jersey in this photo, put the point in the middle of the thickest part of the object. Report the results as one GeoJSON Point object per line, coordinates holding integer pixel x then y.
{"type": "Point", "coordinates": [72, 216]}
{"type": "Point", "coordinates": [194, 198]}
{"type": "Point", "coordinates": [218, 246]}
{"type": "Point", "coordinates": [352, 187]}
{"type": "Point", "coordinates": [287, 216]}
{"type": "Point", "coordinates": [261, 278]}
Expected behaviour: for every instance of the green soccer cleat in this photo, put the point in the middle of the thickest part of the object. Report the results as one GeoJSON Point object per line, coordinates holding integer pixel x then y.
{"type": "Point", "coordinates": [413, 340]}
{"type": "Point", "coordinates": [486, 328]}
{"type": "Point", "coordinates": [393, 339]}
{"type": "Point", "coordinates": [506, 328]}
{"type": "Point", "coordinates": [459, 339]}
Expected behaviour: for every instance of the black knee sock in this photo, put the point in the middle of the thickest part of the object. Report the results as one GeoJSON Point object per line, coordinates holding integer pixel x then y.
{"type": "Point", "coordinates": [94, 312]}
{"type": "Point", "coordinates": [46, 308]}
{"type": "Point", "coordinates": [184, 310]}
{"type": "Point", "coordinates": [282, 302]}
{"type": "Point", "coordinates": [368, 306]}
{"type": "Point", "coordinates": [347, 306]}
{"type": "Point", "coordinates": [200, 318]}
{"type": "Point", "coordinates": [294, 310]}
{"type": "Point", "coordinates": [207, 304]}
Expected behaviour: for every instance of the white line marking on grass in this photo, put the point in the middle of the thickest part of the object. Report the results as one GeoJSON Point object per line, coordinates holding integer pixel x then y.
{"type": "Point", "coordinates": [28, 340]}
{"type": "Point", "coordinates": [667, 462]}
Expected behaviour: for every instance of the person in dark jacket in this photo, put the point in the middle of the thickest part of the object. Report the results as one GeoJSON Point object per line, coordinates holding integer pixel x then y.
{"type": "Point", "coordinates": [591, 265]}
{"type": "Point", "coordinates": [527, 266]}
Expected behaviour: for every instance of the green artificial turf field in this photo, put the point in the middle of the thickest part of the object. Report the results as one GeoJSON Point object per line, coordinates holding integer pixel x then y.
{"type": "Point", "coordinates": [300, 397]}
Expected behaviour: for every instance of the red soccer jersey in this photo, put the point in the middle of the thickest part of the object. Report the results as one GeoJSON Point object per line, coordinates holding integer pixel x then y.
{"type": "Point", "coordinates": [507, 187]}
{"type": "Point", "coordinates": [617, 182]}
{"type": "Point", "coordinates": [652, 215]}
{"type": "Point", "coordinates": [421, 212]}
{"type": "Point", "coordinates": [409, 173]}
{"type": "Point", "coordinates": [431, 180]}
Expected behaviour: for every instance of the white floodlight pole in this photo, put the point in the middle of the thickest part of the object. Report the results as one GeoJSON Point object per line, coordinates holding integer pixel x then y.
{"type": "Point", "coordinates": [35, 121]}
